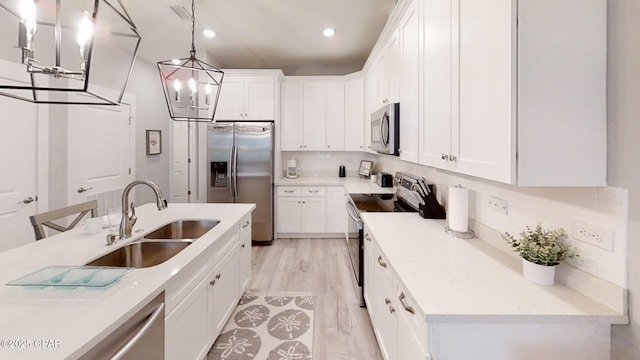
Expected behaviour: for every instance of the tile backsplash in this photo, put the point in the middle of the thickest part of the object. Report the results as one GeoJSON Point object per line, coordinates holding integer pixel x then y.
{"type": "Point", "coordinates": [326, 163]}
{"type": "Point", "coordinates": [605, 207]}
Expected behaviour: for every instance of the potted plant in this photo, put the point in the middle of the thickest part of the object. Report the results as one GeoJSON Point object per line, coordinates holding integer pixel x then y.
{"type": "Point", "coordinates": [541, 251]}
{"type": "Point", "coordinates": [374, 173]}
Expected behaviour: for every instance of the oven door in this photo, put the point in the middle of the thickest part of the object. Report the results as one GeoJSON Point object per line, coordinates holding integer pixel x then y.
{"type": "Point", "coordinates": [354, 240]}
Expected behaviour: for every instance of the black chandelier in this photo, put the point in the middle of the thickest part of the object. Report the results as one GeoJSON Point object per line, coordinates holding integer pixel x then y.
{"type": "Point", "coordinates": [191, 87]}
{"type": "Point", "coordinates": [63, 45]}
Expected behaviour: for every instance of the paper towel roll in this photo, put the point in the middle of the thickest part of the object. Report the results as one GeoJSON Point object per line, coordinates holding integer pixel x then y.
{"type": "Point", "coordinates": [458, 209]}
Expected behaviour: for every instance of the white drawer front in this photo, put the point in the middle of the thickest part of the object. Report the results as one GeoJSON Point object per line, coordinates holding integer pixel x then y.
{"type": "Point", "coordinates": [314, 191]}
{"type": "Point", "coordinates": [288, 190]}
{"type": "Point", "coordinates": [414, 317]}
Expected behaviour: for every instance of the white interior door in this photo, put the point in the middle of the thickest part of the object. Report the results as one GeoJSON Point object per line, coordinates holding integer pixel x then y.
{"type": "Point", "coordinates": [100, 150]}
{"type": "Point", "coordinates": [18, 156]}
{"type": "Point", "coordinates": [20, 130]}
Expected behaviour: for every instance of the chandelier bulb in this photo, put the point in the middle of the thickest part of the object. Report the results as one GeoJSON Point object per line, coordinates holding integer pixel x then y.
{"type": "Point", "coordinates": [192, 85]}
{"type": "Point", "coordinates": [177, 85]}
{"type": "Point", "coordinates": [27, 9]}
{"type": "Point", "coordinates": [207, 89]}
{"type": "Point", "coordinates": [85, 30]}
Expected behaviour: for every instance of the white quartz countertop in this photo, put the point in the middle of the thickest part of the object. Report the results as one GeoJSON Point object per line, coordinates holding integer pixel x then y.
{"type": "Point", "coordinates": [72, 321]}
{"type": "Point", "coordinates": [457, 280]}
{"type": "Point", "coordinates": [352, 185]}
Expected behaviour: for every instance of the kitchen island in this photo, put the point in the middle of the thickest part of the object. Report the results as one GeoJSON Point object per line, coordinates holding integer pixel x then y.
{"type": "Point", "coordinates": [54, 323]}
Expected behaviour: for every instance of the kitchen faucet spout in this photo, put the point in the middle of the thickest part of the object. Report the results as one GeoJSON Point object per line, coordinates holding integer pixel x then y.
{"type": "Point", "coordinates": [127, 222]}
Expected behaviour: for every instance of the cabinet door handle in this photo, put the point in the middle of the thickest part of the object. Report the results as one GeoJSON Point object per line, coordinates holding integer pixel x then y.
{"type": "Point", "coordinates": [289, 191]}
{"type": "Point", "coordinates": [366, 236]}
{"type": "Point", "coordinates": [387, 301]}
{"type": "Point", "coordinates": [212, 282]}
{"type": "Point", "coordinates": [82, 189]}
{"type": "Point", "coordinates": [444, 156]}
{"type": "Point", "coordinates": [452, 157]}
{"type": "Point", "coordinates": [304, 202]}
{"type": "Point", "coordinates": [218, 276]}
{"type": "Point", "coordinates": [404, 304]}
{"type": "Point", "coordinates": [392, 309]}
{"type": "Point", "coordinates": [245, 224]}
{"type": "Point", "coordinates": [313, 191]}
{"type": "Point", "coordinates": [242, 246]}
{"type": "Point", "coordinates": [382, 263]}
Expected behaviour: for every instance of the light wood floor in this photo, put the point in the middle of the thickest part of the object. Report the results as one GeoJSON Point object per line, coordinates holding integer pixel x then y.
{"type": "Point", "coordinates": [342, 328]}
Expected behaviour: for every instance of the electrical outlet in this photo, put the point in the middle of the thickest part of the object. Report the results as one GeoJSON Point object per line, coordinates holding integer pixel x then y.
{"type": "Point", "coordinates": [498, 205]}
{"type": "Point", "coordinates": [594, 235]}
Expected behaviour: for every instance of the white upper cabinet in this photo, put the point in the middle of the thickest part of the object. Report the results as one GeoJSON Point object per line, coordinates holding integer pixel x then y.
{"type": "Point", "coordinates": [247, 97]}
{"type": "Point", "coordinates": [409, 31]}
{"type": "Point", "coordinates": [315, 115]}
{"type": "Point", "coordinates": [387, 73]}
{"type": "Point", "coordinates": [335, 104]}
{"type": "Point", "coordinates": [291, 128]}
{"type": "Point", "coordinates": [354, 115]}
{"type": "Point", "coordinates": [435, 127]}
{"type": "Point", "coordinates": [538, 67]}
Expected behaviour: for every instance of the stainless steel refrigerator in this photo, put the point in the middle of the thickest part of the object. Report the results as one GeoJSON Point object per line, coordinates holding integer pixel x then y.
{"type": "Point", "coordinates": [240, 160]}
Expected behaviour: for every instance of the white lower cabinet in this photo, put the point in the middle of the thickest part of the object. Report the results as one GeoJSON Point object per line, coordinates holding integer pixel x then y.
{"type": "Point", "coordinates": [316, 210]}
{"type": "Point", "coordinates": [197, 313]}
{"type": "Point", "coordinates": [186, 328]}
{"type": "Point", "coordinates": [398, 324]}
{"type": "Point", "coordinates": [244, 271]}
{"type": "Point", "coordinates": [223, 293]}
{"type": "Point", "coordinates": [369, 275]}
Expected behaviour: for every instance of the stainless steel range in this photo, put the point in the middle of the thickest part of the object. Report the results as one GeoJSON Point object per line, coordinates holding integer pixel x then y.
{"type": "Point", "coordinates": [404, 200]}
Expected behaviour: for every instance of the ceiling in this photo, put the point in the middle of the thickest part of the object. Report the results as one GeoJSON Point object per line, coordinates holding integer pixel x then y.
{"type": "Point", "coordinates": [267, 34]}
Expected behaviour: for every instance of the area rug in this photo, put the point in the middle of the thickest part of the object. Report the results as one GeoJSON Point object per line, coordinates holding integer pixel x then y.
{"type": "Point", "coordinates": [268, 326]}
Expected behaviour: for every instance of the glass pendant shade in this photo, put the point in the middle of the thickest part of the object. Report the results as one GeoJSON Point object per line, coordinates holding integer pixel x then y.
{"type": "Point", "coordinates": [191, 89]}
{"type": "Point", "coordinates": [70, 51]}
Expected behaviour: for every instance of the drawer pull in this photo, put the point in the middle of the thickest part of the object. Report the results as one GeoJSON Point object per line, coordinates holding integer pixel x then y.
{"type": "Point", "coordinates": [404, 305]}
{"type": "Point", "coordinates": [392, 309]}
{"type": "Point", "coordinates": [313, 191]}
{"type": "Point", "coordinates": [366, 236]}
{"type": "Point", "coordinates": [387, 301]}
{"type": "Point", "coordinates": [218, 276]}
{"type": "Point", "coordinates": [289, 191]}
{"type": "Point", "coordinates": [382, 263]}
{"type": "Point", "coordinates": [242, 246]}
{"type": "Point", "coordinates": [212, 282]}
{"type": "Point", "coordinates": [245, 224]}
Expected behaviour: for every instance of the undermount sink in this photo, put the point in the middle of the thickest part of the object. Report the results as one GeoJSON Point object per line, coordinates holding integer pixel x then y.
{"type": "Point", "coordinates": [142, 254]}
{"type": "Point", "coordinates": [183, 229]}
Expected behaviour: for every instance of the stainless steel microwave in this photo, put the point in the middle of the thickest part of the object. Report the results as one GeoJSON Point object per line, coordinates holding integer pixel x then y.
{"type": "Point", "coordinates": [385, 129]}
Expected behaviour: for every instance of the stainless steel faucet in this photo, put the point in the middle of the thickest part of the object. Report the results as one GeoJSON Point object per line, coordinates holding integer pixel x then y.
{"type": "Point", "coordinates": [127, 222]}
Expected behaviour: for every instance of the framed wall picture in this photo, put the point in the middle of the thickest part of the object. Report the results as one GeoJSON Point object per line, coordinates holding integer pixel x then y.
{"type": "Point", "coordinates": [154, 142]}
{"type": "Point", "coordinates": [365, 168]}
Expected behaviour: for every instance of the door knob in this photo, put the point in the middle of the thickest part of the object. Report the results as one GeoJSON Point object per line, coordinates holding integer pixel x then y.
{"type": "Point", "coordinates": [27, 200]}
{"type": "Point", "coordinates": [82, 189]}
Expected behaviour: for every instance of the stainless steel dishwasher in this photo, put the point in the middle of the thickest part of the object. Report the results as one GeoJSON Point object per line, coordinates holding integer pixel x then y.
{"type": "Point", "coordinates": [140, 338]}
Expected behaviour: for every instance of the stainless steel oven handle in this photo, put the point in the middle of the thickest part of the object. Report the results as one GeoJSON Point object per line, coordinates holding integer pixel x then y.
{"type": "Point", "coordinates": [352, 210]}
{"type": "Point", "coordinates": [138, 336]}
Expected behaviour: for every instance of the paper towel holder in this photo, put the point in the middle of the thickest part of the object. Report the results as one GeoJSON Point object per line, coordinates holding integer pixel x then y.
{"type": "Point", "coordinates": [469, 234]}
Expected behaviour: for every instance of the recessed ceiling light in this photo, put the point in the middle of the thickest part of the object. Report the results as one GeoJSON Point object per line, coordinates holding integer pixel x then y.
{"type": "Point", "coordinates": [329, 32]}
{"type": "Point", "coordinates": [209, 33]}
{"type": "Point", "coordinates": [175, 61]}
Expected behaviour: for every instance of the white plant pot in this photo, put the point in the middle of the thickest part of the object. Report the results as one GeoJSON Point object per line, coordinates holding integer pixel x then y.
{"type": "Point", "coordinates": [539, 274]}
{"type": "Point", "coordinates": [374, 178]}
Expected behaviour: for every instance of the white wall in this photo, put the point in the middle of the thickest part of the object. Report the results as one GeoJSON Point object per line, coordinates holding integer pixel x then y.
{"type": "Point", "coordinates": [624, 170]}
{"type": "Point", "coordinates": [151, 114]}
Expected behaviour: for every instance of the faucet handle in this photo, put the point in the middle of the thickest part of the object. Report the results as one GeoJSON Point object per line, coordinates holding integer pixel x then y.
{"type": "Point", "coordinates": [133, 218]}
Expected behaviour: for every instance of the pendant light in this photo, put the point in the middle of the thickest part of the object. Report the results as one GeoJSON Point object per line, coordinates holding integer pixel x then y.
{"type": "Point", "coordinates": [191, 87]}
{"type": "Point", "coordinates": [71, 51]}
